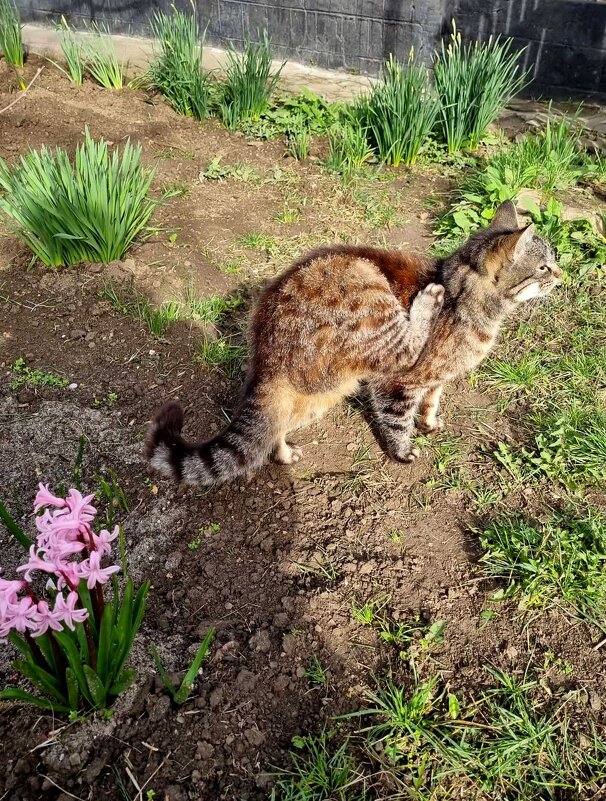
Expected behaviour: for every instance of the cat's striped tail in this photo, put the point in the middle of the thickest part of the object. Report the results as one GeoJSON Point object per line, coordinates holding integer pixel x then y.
{"type": "Point", "coordinates": [239, 449]}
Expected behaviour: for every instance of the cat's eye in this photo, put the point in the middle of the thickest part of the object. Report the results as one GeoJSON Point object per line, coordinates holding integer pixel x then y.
{"type": "Point", "coordinates": [543, 268]}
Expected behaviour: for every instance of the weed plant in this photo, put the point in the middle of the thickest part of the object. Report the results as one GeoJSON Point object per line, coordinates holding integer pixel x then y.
{"type": "Point", "coordinates": [348, 150]}
{"type": "Point", "coordinates": [319, 772]}
{"type": "Point", "coordinates": [11, 41]}
{"type": "Point", "coordinates": [514, 741]}
{"type": "Point", "coordinates": [558, 562]}
{"type": "Point", "coordinates": [176, 70]}
{"type": "Point", "coordinates": [399, 113]}
{"type": "Point", "coordinates": [249, 83]}
{"type": "Point", "coordinates": [474, 83]}
{"type": "Point", "coordinates": [89, 211]}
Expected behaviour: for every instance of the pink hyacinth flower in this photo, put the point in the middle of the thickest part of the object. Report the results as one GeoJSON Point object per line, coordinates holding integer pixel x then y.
{"type": "Point", "coordinates": [80, 507]}
{"type": "Point", "coordinates": [67, 612]}
{"type": "Point", "coordinates": [46, 498]}
{"type": "Point", "coordinates": [19, 617]}
{"type": "Point", "coordinates": [8, 593]}
{"type": "Point", "coordinates": [69, 575]}
{"type": "Point", "coordinates": [102, 540]}
{"type": "Point", "coordinates": [60, 550]}
{"type": "Point", "coordinates": [91, 570]}
{"type": "Point", "coordinates": [36, 563]}
{"type": "Point", "coordinates": [46, 619]}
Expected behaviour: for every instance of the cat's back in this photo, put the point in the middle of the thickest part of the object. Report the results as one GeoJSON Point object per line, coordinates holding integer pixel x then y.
{"type": "Point", "coordinates": [342, 271]}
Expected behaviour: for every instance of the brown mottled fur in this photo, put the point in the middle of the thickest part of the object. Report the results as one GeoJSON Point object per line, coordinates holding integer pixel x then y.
{"type": "Point", "coordinates": [338, 317]}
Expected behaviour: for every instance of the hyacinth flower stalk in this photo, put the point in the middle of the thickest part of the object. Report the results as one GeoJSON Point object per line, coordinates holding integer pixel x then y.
{"type": "Point", "coordinates": [74, 641]}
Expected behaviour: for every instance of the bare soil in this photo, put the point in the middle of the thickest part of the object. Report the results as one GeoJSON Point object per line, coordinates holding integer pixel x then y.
{"type": "Point", "coordinates": [256, 574]}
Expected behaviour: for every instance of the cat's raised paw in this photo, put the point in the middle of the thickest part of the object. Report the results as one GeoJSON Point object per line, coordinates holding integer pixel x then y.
{"type": "Point", "coordinates": [428, 302]}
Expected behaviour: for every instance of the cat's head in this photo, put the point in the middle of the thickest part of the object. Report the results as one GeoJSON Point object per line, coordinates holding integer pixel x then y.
{"type": "Point", "coordinates": [514, 261]}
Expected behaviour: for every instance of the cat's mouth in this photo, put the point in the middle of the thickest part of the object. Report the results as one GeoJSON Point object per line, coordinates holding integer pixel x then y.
{"type": "Point", "coordinates": [535, 289]}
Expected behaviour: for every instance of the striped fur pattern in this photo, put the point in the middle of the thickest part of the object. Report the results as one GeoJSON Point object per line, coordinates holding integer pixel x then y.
{"type": "Point", "coordinates": [341, 316]}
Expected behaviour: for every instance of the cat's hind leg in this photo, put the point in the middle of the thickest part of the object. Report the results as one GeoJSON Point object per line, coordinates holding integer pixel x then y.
{"type": "Point", "coordinates": [285, 453]}
{"type": "Point", "coordinates": [427, 420]}
{"type": "Point", "coordinates": [301, 409]}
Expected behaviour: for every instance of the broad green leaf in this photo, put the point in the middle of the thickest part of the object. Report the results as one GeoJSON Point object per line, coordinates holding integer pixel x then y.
{"type": "Point", "coordinates": [43, 680]}
{"type": "Point", "coordinates": [184, 690]}
{"type": "Point", "coordinates": [454, 708]}
{"type": "Point", "coordinates": [105, 643]}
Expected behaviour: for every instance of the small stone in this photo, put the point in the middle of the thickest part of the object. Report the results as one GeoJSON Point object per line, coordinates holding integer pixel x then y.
{"type": "Point", "coordinates": [260, 642]}
{"type": "Point", "coordinates": [246, 679]}
{"type": "Point", "coordinates": [77, 333]}
{"type": "Point", "coordinates": [281, 620]}
{"type": "Point", "coordinates": [254, 737]}
{"type": "Point", "coordinates": [216, 697]}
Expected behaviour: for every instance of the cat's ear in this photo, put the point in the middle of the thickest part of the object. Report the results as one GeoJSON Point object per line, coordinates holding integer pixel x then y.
{"type": "Point", "coordinates": [507, 249]}
{"type": "Point", "coordinates": [505, 217]}
{"type": "Point", "coordinates": [523, 242]}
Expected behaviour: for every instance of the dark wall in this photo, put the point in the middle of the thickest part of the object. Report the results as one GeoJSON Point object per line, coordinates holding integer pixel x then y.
{"type": "Point", "coordinates": [564, 39]}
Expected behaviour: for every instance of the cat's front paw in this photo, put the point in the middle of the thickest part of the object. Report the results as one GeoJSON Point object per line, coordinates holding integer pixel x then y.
{"type": "Point", "coordinates": [404, 455]}
{"type": "Point", "coordinates": [428, 303]}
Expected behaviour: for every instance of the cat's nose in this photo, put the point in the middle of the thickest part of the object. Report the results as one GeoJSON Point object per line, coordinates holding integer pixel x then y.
{"type": "Point", "coordinates": [557, 274]}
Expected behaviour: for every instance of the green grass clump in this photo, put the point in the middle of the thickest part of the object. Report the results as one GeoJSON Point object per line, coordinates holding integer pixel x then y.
{"type": "Point", "coordinates": [320, 773]}
{"type": "Point", "coordinates": [132, 303]}
{"type": "Point", "coordinates": [559, 561]}
{"type": "Point", "coordinates": [249, 83]}
{"type": "Point", "coordinates": [514, 741]}
{"type": "Point", "coordinates": [474, 83]}
{"type": "Point", "coordinates": [72, 53]}
{"type": "Point", "coordinates": [222, 353]}
{"type": "Point", "coordinates": [11, 41]}
{"type": "Point", "coordinates": [211, 309]}
{"type": "Point", "coordinates": [89, 211]}
{"type": "Point", "coordinates": [176, 70]}
{"type": "Point", "coordinates": [399, 113]}
{"type": "Point", "coordinates": [101, 60]}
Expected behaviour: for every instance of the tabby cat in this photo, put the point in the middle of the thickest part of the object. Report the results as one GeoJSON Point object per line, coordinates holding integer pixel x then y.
{"type": "Point", "coordinates": [338, 318]}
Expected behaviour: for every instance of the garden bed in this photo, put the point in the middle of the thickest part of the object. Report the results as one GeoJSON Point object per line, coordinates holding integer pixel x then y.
{"type": "Point", "coordinates": [274, 564]}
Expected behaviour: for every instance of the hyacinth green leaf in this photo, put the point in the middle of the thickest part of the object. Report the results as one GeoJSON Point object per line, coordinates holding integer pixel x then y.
{"type": "Point", "coordinates": [163, 674]}
{"type": "Point", "coordinates": [105, 643]}
{"type": "Point", "coordinates": [184, 690]}
{"type": "Point", "coordinates": [40, 678]}
{"type": "Point", "coordinates": [73, 657]}
{"type": "Point", "coordinates": [15, 694]}
{"type": "Point", "coordinates": [73, 691]}
{"type": "Point", "coordinates": [95, 686]}
{"type": "Point", "coordinates": [123, 682]}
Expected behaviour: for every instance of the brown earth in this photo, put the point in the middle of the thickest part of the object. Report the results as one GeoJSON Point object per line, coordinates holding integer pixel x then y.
{"type": "Point", "coordinates": [256, 575]}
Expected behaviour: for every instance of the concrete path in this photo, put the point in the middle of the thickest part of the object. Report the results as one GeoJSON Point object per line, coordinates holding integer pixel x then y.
{"type": "Point", "coordinates": [137, 52]}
